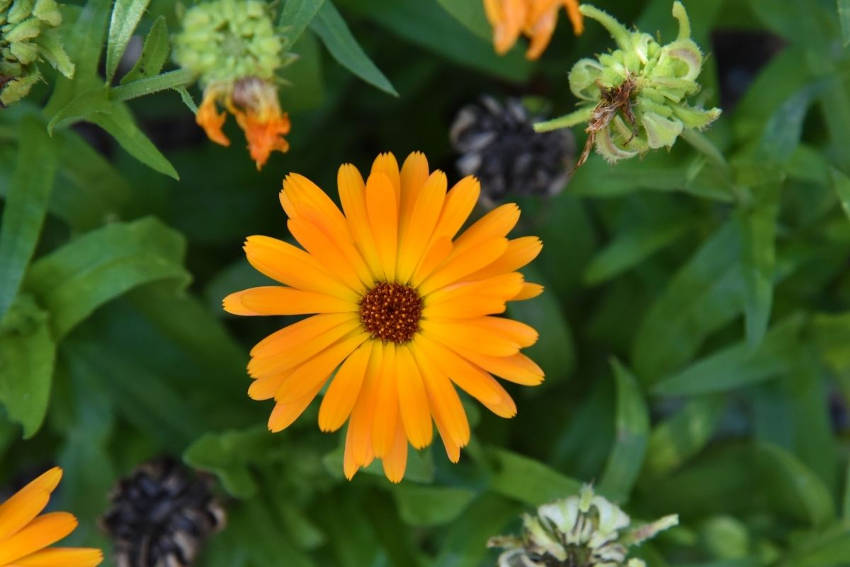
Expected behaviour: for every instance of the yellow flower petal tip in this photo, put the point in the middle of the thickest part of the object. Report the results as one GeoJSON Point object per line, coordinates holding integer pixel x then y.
{"type": "Point", "coordinates": [535, 19]}
{"type": "Point", "coordinates": [26, 537]}
{"type": "Point", "coordinates": [401, 307]}
{"type": "Point", "coordinates": [254, 104]}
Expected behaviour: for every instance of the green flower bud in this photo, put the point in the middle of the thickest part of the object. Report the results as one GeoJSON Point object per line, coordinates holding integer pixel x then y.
{"type": "Point", "coordinates": [225, 40]}
{"type": "Point", "coordinates": [634, 98]}
{"type": "Point", "coordinates": [585, 530]}
{"type": "Point", "coordinates": [29, 34]}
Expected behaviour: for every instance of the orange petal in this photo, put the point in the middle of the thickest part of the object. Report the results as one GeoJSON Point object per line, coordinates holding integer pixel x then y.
{"type": "Point", "coordinates": [413, 400]}
{"type": "Point", "coordinates": [211, 120]}
{"type": "Point", "coordinates": [575, 16]}
{"type": "Point", "coordinates": [458, 266]}
{"type": "Point", "coordinates": [460, 201]}
{"type": "Point", "coordinates": [435, 256]}
{"type": "Point", "coordinates": [295, 335]}
{"type": "Point", "coordinates": [277, 300]}
{"type": "Point", "coordinates": [345, 387]}
{"type": "Point", "coordinates": [382, 210]}
{"type": "Point", "coordinates": [414, 173]}
{"type": "Point", "coordinates": [528, 291]}
{"type": "Point", "coordinates": [386, 404]}
{"type": "Point", "coordinates": [465, 307]}
{"type": "Point", "coordinates": [294, 267]}
{"type": "Point", "coordinates": [445, 404]}
{"type": "Point", "coordinates": [294, 352]}
{"type": "Point", "coordinates": [395, 461]}
{"type": "Point", "coordinates": [323, 249]}
{"type": "Point", "coordinates": [264, 133]}
{"type": "Point", "coordinates": [62, 557]}
{"type": "Point", "coordinates": [520, 251]}
{"type": "Point", "coordinates": [471, 379]}
{"type": "Point", "coordinates": [40, 533]}
{"type": "Point", "coordinates": [265, 388]}
{"type": "Point", "coordinates": [462, 336]}
{"type": "Point", "coordinates": [312, 374]}
{"type": "Point", "coordinates": [503, 287]}
{"type": "Point", "coordinates": [352, 195]}
{"type": "Point", "coordinates": [517, 368]}
{"type": "Point", "coordinates": [23, 506]}
{"type": "Point", "coordinates": [506, 17]}
{"type": "Point", "coordinates": [416, 233]}
{"type": "Point", "coordinates": [498, 222]}
{"type": "Point", "coordinates": [358, 440]}
{"type": "Point", "coordinates": [387, 164]}
{"type": "Point", "coordinates": [520, 333]}
{"type": "Point", "coordinates": [284, 414]}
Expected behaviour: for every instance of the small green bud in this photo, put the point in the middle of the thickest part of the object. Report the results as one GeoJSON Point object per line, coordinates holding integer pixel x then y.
{"type": "Point", "coordinates": [584, 530]}
{"type": "Point", "coordinates": [225, 40]}
{"type": "Point", "coordinates": [634, 98]}
{"type": "Point", "coordinates": [28, 35]}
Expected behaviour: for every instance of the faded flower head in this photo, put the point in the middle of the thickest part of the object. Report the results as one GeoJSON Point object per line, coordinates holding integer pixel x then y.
{"type": "Point", "coordinates": [236, 51]}
{"type": "Point", "coordinates": [28, 34]}
{"type": "Point", "coordinates": [634, 98]}
{"type": "Point", "coordinates": [497, 144]}
{"type": "Point", "coordinates": [161, 515]}
{"type": "Point", "coordinates": [585, 530]}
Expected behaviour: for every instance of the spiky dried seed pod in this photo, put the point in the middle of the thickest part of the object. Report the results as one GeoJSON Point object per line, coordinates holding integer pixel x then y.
{"type": "Point", "coordinates": [161, 515]}
{"type": "Point", "coordinates": [497, 143]}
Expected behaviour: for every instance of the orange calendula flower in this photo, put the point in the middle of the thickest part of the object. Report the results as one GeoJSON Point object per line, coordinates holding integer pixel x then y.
{"type": "Point", "coordinates": [535, 19]}
{"type": "Point", "coordinates": [403, 310]}
{"type": "Point", "coordinates": [24, 538]}
{"type": "Point", "coordinates": [255, 105]}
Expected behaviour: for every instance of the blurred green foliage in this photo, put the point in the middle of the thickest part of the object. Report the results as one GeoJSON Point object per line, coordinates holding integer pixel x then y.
{"type": "Point", "coordinates": [694, 331]}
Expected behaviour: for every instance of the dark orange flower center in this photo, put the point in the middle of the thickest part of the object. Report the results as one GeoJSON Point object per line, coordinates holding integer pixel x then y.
{"type": "Point", "coordinates": [391, 312]}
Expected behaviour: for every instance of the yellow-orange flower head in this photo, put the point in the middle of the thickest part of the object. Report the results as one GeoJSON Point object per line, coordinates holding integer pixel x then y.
{"type": "Point", "coordinates": [25, 538]}
{"type": "Point", "coordinates": [402, 311]}
{"type": "Point", "coordinates": [536, 19]}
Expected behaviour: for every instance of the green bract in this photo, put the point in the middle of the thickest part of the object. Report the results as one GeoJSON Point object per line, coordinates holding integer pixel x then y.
{"type": "Point", "coordinates": [585, 530]}
{"type": "Point", "coordinates": [28, 34]}
{"type": "Point", "coordinates": [635, 97]}
{"type": "Point", "coordinates": [225, 40]}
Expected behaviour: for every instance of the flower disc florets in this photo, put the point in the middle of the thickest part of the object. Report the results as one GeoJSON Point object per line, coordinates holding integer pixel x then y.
{"type": "Point", "coordinates": [580, 531]}
{"type": "Point", "coordinates": [28, 34]}
{"type": "Point", "coordinates": [634, 98]}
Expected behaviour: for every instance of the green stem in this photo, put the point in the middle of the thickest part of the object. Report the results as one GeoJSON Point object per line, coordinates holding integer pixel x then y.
{"type": "Point", "coordinates": [579, 116]}
{"type": "Point", "coordinates": [150, 85]}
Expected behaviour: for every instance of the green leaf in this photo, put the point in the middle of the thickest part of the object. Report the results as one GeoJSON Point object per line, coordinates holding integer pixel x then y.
{"type": "Point", "coordinates": [844, 19]}
{"type": "Point", "coordinates": [27, 355]}
{"type": "Point", "coordinates": [84, 106]}
{"type": "Point", "coordinates": [154, 53]}
{"type": "Point", "coordinates": [179, 78]}
{"type": "Point", "coordinates": [420, 465]}
{"type": "Point", "coordinates": [430, 505]}
{"type": "Point", "coordinates": [25, 207]}
{"type": "Point", "coordinates": [306, 90]}
{"type": "Point", "coordinates": [79, 277]}
{"type": "Point", "coordinates": [120, 124]}
{"type": "Point", "coordinates": [782, 132]}
{"type": "Point", "coordinates": [471, 14]}
{"type": "Point", "coordinates": [627, 455]}
{"type": "Point", "coordinates": [229, 454]}
{"type": "Point", "coordinates": [682, 436]}
{"type": "Point", "coordinates": [795, 484]}
{"type": "Point", "coordinates": [334, 33]}
{"type": "Point", "coordinates": [841, 184]}
{"type": "Point", "coordinates": [739, 365]}
{"type": "Point", "coordinates": [632, 246]}
{"type": "Point", "coordinates": [528, 480]}
{"type": "Point", "coordinates": [426, 23]}
{"type": "Point", "coordinates": [702, 297]}
{"type": "Point", "coordinates": [296, 16]}
{"type": "Point", "coordinates": [554, 350]}
{"type": "Point", "coordinates": [759, 261]}
{"type": "Point", "coordinates": [466, 543]}
{"type": "Point", "coordinates": [126, 15]}
{"type": "Point", "coordinates": [822, 548]}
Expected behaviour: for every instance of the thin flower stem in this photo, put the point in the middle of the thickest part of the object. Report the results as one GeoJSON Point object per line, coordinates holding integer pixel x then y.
{"type": "Point", "coordinates": [578, 117]}
{"type": "Point", "coordinates": [150, 85]}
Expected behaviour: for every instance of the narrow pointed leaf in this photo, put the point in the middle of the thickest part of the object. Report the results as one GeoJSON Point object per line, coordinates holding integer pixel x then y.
{"type": "Point", "coordinates": [126, 15]}
{"type": "Point", "coordinates": [154, 53]}
{"type": "Point", "coordinates": [296, 16]}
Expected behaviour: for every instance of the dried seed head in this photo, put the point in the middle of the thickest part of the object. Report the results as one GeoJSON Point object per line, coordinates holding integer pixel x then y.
{"type": "Point", "coordinates": [161, 515]}
{"type": "Point", "coordinates": [498, 144]}
{"type": "Point", "coordinates": [584, 530]}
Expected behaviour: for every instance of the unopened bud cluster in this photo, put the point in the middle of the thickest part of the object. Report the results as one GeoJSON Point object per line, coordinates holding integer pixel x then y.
{"type": "Point", "coordinates": [584, 530]}
{"type": "Point", "coordinates": [634, 98]}
{"type": "Point", "coordinates": [28, 34]}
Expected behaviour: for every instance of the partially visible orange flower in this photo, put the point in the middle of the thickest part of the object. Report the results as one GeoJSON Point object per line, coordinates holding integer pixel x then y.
{"type": "Point", "coordinates": [535, 19]}
{"type": "Point", "coordinates": [255, 105]}
{"type": "Point", "coordinates": [401, 310]}
{"type": "Point", "coordinates": [24, 538]}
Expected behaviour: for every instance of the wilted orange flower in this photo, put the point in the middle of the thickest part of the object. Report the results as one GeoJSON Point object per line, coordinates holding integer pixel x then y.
{"type": "Point", "coordinates": [404, 310]}
{"type": "Point", "coordinates": [254, 103]}
{"type": "Point", "coordinates": [535, 19]}
{"type": "Point", "coordinates": [24, 538]}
